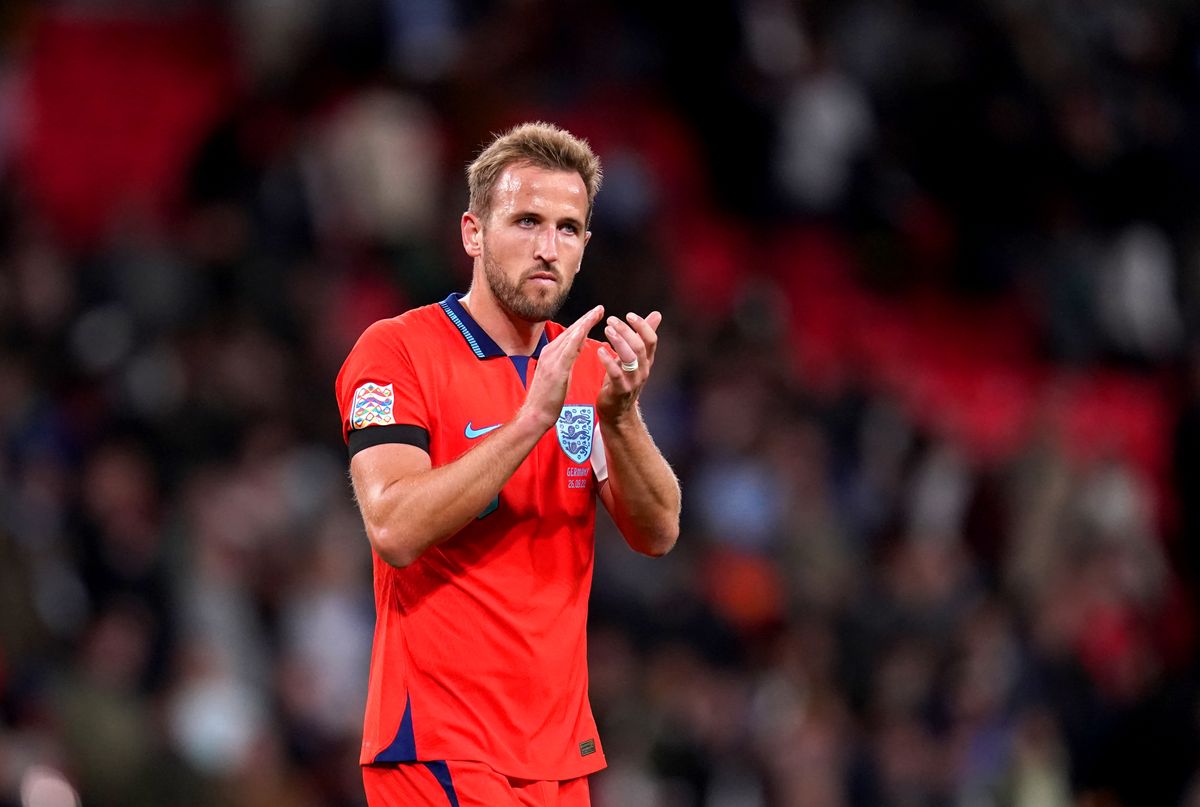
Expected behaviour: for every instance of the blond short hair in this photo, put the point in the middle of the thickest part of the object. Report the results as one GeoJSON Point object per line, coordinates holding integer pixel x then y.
{"type": "Point", "coordinates": [540, 144]}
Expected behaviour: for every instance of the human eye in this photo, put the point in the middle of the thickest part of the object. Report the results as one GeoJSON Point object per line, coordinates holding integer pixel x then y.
{"type": "Point", "coordinates": [569, 227]}
{"type": "Point", "coordinates": [527, 221]}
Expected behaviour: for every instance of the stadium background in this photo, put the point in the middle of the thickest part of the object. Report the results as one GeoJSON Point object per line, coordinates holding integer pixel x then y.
{"type": "Point", "coordinates": [931, 282]}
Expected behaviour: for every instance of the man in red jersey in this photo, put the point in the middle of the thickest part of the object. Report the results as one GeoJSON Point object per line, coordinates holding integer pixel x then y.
{"type": "Point", "coordinates": [480, 435]}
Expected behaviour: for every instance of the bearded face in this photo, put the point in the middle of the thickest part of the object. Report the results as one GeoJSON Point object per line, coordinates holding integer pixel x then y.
{"type": "Point", "coordinates": [535, 296]}
{"type": "Point", "coordinates": [530, 242]}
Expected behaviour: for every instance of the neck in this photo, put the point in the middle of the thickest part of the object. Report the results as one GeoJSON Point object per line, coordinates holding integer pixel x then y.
{"type": "Point", "coordinates": [515, 336]}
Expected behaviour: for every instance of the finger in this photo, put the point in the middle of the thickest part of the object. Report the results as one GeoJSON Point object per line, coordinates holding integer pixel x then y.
{"type": "Point", "coordinates": [580, 327]}
{"type": "Point", "coordinates": [654, 320]}
{"type": "Point", "coordinates": [620, 344]}
{"type": "Point", "coordinates": [585, 324]}
{"type": "Point", "coordinates": [589, 319]}
{"type": "Point", "coordinates": [615, 374]}
{"type": "Point", "coordinates": [571, 339]}
{"type": "Point", "coordinates": [644, 331]}
{"type": "Point", "coordinates": [630, 335]}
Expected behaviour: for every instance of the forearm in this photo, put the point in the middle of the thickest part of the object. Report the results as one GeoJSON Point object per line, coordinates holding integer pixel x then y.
{"type": "Point", "coordinates": [407, 515]}
{"type": "Point", "coordinates": [645, 495]}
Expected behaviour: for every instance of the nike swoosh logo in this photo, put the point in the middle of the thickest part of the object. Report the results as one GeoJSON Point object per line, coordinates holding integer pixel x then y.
{"type": "Point", "coordinates": [473, 433]}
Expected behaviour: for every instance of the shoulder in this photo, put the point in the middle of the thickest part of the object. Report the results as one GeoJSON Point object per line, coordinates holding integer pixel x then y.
{"type": "Point", "coordinates": [393, 346]}
{"type": "Point", "coordinates": [393, 332]}
{"type": "Point", "coordinates": [414, 318]}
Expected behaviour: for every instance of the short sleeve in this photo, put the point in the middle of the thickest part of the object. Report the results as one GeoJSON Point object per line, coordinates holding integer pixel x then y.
{"type": "Point", "coordinates": [378, 392]}
{"type": "Point", "coordinates": [599, 458]}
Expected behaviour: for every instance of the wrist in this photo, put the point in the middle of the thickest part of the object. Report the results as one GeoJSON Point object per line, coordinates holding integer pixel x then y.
{"type": "Point", "coordinates": [532, 423]}
{"type": "Point", "coordinates": [622, 421]}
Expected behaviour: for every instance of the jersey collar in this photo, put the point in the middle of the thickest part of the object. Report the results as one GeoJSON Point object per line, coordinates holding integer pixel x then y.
{"type": "Point", "coordinates": [482, 345]}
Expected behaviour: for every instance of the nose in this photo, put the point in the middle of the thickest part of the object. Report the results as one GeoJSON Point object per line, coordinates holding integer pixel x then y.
{"type": "Point", "coordinates": [546, 245]}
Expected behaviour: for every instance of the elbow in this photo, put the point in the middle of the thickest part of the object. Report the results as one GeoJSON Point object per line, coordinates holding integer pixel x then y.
{"type": "Point", "coordinates": [662, 531]}
{"type": "Point", "coordinates": [391, 546]}
{"type": "Point", "coordinates": [659, 541]}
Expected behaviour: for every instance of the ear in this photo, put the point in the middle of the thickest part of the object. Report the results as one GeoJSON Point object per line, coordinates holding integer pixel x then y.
{"type": "Point", "coordinates": [472, 234]}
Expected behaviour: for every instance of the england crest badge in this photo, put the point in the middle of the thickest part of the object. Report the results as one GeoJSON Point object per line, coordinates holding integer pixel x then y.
{"type": "Point", "coordinates": [574, 426]}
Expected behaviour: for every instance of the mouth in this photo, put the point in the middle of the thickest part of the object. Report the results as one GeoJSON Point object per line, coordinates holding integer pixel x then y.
{"type": "Point", "coordinates": [543, 278]}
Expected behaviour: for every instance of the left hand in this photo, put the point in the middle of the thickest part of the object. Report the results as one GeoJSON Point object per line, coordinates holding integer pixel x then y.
{"type": "Point", "coordinates": [632, 340]}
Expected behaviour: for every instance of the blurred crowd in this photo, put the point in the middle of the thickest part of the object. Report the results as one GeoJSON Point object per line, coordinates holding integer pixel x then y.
{"type": "Point", "coordinates": [928, 373]}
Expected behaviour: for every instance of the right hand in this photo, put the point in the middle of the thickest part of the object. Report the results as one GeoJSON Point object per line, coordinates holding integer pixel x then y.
{"type": "Point", "coordinates": [548, 389]}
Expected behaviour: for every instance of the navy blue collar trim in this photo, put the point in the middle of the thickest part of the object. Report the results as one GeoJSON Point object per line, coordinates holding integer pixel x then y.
{"type": "Point", "coordinates": [480, 343]}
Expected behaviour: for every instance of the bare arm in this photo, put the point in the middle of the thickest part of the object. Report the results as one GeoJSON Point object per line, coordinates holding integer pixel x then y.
{"type": "Point", "coordinates": [409, 506]}
{"type": "Point", "coordinates": [641, 491]}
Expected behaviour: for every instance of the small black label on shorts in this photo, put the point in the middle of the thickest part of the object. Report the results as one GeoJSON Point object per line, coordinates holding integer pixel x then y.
{"type": "Point", "coordinates": [587, 747]}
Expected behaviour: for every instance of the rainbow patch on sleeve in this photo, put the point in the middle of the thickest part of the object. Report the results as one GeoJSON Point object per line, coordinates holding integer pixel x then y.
{"type": "Point", "coordinates": [373, 405]}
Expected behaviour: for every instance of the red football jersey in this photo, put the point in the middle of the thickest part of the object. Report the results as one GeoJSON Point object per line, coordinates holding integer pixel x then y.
{"type": "Point", "coordinates": [480, 644]}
